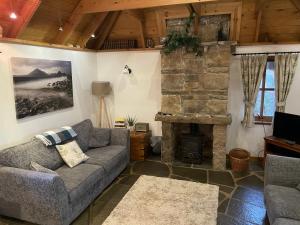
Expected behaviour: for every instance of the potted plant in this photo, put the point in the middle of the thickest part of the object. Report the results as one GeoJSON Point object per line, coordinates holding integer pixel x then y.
{"type": "Point", "coordinates": [183, 39]}
{"type": "Point", "coordinates": [131, 122]}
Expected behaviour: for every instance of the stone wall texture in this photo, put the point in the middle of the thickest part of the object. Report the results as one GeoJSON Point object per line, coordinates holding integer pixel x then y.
{"type": "Point", "coordinates": [196, 84]}
{"type": "Point", "coordinates": [196, 87]}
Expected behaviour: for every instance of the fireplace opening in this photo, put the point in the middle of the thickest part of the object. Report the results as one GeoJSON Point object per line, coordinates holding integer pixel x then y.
{"type": "Point", "coordinates": [194, 143]}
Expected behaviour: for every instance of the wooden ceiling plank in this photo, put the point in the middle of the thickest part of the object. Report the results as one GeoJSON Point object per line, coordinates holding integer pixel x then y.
{"type": "Point", "coordinates": [70, 25]}
{"type": "Point", "coordinates": [27, 11]}
{"type": "Point", "coordinates": [91, 6]}
{"type": "Point", "coordinates": [161, 30]}
{"type": "Point", "coordinates": [108, 26]}
{"type": "Point", "coordinates": [140, 18]}
{"type": "Point", "coordinates": [296, 3]}
{"type": "Point", "coordinates": [260, 4]}
{"type": "Point", "coordinates": [91, 29]}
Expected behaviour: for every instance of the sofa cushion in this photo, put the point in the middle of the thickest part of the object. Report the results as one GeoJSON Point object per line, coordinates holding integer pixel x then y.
{"type": "Point", "coordinates": [20, 156]}
{"type": "Point", "coordinates": [100, 137]}
{"type": "Point", "coordinates": [37, 167]}
{"type": "Point", "coordinates": [285, 221]}
{"type": "Point", "coordinates": [109, 157]}
{"type": "Point", "coordinates": [84, 130]}
{"type": "Point", "coordinates": [81, 179]}
{"type": "Point", "coordinates": [71, 153]}
{"type": "Point", "coordinates": [282, 202]}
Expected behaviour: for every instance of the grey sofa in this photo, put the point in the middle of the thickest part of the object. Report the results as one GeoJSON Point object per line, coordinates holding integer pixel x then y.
{"type": "Point", "coordinates": [282, 198]}
{"type": "Point", "coordinates": [57, 199]}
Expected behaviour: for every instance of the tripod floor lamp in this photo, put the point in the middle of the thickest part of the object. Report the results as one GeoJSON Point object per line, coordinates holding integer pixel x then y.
{"type": "Point", "coordinates": [102, 89]}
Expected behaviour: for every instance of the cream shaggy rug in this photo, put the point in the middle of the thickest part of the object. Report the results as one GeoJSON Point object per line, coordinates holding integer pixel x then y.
{"type": "Point", "coordinates": [165, 201]}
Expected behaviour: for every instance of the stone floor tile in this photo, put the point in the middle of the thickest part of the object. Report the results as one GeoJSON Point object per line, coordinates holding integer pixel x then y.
{"type": "Point", "coordinates": [114, 193]}
{"type": "Point", "coordinates": [227, 220]}
{"type": "Point", "coordinates": [221, 197]}
{"type": "Point", "coordinates": [223, 206]}
{"type": "Point", "coordinates": [226, 189]}
{"type": "Point", "coordinates": [246, 212]}
{"type": "Point", "coordinates": [260, 173]}
{"type": "Point", "coordinates": [151, 168]}
{"type": "Point", "coordinates": [181, 164]}
{"type": "Point", "coordinates": [101, 211]}
{"type": "Point", "coordinates": [220, 177]}
{"type": "Point", "coordinates": [194, 174]}
{"type": "Point", "coordinates": [179, 177]}
{"type": "Point", "coordinates": [129, 180]}
{"type": "Point", "coordinates": [240, 174]}
{"type": "Point", "coordinates": [83, 219]}
{"type": "Point", "coordinates": [251, 182]}
{"type": "Point", "coordinates": [249, 196]}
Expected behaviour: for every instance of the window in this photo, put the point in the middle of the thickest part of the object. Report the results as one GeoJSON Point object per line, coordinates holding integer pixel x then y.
{"type": "Point", "coordinates": [265, 102]}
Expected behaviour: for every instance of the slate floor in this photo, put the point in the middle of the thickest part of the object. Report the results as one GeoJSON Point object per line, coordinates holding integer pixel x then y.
{"type": "Point", "coordinates": [240, 198]}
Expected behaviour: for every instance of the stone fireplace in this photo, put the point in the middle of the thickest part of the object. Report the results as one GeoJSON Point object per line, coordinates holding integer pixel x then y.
{"type": "Point", "coordinates": [195, 92]}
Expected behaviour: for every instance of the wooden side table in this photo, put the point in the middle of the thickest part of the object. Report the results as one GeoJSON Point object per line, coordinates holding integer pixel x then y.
{"type": "Point", "coordinates": [139, 145]}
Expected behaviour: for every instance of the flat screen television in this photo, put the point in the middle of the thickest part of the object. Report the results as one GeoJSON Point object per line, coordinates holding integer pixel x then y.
{"type": "Point", "coordinates": [287, 126]}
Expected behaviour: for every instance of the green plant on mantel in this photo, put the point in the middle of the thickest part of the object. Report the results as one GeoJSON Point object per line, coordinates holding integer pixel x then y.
{"type": "Point", "coordinates": [131, 120]}
{"type": "Point", "coordinates": [182, 39]}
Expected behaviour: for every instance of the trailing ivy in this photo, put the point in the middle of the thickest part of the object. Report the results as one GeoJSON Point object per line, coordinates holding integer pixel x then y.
{"type": "Point", "coordinates": [180, 39]}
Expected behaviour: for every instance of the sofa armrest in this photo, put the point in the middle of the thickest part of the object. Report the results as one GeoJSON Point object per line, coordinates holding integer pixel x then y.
{"type": "Point", "coordinates": [120, 136]}
{"type": "Point", "coordinates": [283, 171]}
{"type": "Point", "coordinates": [33, 196]}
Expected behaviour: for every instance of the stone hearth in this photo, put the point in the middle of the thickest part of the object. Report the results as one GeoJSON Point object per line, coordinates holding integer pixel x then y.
{"type": "Point", "coordinates": [195, 90]}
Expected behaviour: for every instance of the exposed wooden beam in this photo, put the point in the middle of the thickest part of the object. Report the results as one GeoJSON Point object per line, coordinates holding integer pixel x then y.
{"type": "Point", "coordinates": [27, 11]}
{"type": "Point", "coordinates": [91, 28]}
{"type": "Point", "coordinates": [107, 27]}
{"type": "Point", "coordinates": [91, 6]}
{"type": "Point", "coordinates": [160, 24]}
{"type": "Point", "coordinates": [260, 4]}
{"type": "Point", "coordinates": [70, 25]}
{"type": "Point", "coordinates": [140, 19]}
{"type": "Point", "coordinates": [296, 3]}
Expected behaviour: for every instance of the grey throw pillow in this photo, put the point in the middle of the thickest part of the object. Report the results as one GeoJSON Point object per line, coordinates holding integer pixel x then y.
{"type": "Point", "coordinates": [298, 187]}
{"type": "Point", "coordinates": [100, 137]}
{"type": "Point", "coordinates": [37, 167]}
{"type": "Point", "coordinates": [83, 130]}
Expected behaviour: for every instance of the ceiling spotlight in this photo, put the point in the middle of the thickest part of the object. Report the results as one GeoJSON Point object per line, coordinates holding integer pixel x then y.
{"type": "Point", "coordinates": [93, 35]}
{"type": "Point", "coordinates": [13, 15]}
{"type": "Point", "coordinates": [61, 28]}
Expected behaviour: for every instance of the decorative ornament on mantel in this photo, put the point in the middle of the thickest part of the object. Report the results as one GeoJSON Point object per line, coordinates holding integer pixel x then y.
{"type": "Point", "coordinates": [183, 39]}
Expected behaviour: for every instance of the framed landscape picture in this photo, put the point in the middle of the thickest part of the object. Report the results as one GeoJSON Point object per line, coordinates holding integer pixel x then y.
{"type": "Point", "coordinates": [41, 85]}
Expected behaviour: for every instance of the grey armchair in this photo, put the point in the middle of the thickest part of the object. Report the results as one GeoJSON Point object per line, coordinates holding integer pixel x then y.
{"type": "Point", "coordinates": [282, 198]}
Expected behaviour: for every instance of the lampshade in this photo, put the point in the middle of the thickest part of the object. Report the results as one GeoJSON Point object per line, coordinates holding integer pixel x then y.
{"type": "Point", "coordinates": [100, 88]}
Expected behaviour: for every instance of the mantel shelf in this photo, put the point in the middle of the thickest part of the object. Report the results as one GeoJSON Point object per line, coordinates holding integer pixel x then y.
{"type": "Point", "coordinates": [194, 118]}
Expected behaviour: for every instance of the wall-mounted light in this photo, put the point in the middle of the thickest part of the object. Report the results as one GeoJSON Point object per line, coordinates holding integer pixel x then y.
{"type": "Point", "coordinates": [93, 35]}
{"type": "Point", "coordinates": [13, 15]}
{"type": "Point", "coordinates": [127, 70]}
{"type": "Point", "coordinates": [61, 28]}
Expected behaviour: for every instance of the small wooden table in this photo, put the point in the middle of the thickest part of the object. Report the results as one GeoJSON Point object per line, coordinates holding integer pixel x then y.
{"type": "Point", "coordinates": [139, 145]}
{"type": "Point", "coordinates": [278, 146]}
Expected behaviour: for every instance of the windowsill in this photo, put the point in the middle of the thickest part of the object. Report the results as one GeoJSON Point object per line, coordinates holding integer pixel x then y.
{"type": "Point", "coordinates": [262, 123]}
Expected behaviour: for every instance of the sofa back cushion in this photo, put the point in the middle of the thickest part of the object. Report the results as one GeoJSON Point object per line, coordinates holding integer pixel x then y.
{"type": "Point", "coordinates": [84, 130]}
{"type": "Point", "coordinates": [100, 137]}
{"type": "Point", "coordinates": [20, 156]}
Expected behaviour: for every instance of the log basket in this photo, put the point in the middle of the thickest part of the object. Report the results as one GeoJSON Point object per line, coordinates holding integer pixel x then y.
{"type": "Point", "coordinates": [239, 160]}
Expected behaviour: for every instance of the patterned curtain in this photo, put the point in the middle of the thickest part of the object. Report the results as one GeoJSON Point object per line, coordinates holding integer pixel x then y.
{"type": "Point", "coordinates": [285, 65]}
{"type": "Point", "coordinates": [253, 67]}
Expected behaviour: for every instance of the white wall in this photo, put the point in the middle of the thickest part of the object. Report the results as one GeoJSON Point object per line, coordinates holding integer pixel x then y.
{"type": "Point", "coordinates": [252, 138]}
{"type": "Point", "coordinates": [138, 94]}
{"type": "Point", "coordinates": [84, 68]}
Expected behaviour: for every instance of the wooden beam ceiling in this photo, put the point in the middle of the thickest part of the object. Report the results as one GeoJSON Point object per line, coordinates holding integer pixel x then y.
{"type": "Point", "coordinates": [140, 19]}
{"type": "Point", "coordinates": [106, 28]}
{"type": "Point", "coordinates": [296, 3]}
{"type": "Point", "coordinates": [260, 4]}
{"type": "Point", "coordinates": [70, 25]}
{"type": "Point", "coordinates": [92, 6]}
{"type": "Point", "coordinates": [91, 29]}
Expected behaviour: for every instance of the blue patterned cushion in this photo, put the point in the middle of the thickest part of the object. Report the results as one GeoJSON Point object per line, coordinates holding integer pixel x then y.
{"type": "Point", "coordinates": [51, 138]}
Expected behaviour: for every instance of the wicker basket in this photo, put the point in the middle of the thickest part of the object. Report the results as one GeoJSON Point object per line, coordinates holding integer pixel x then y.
{"type": "Point", "coordinates": [239, 159]}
